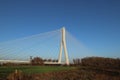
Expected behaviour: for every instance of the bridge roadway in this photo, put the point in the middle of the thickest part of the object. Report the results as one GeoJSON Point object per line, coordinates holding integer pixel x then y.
{"type": "Point", "coordinates": [27, 62]}
{"type": "Point", "coordinates": [13, 61]}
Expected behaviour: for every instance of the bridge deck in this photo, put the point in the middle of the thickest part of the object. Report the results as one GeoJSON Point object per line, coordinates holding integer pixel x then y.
{"type": "Point", "coordinates": [18, 61]}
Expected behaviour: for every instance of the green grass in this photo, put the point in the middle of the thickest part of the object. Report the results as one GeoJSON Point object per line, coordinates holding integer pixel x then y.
{"type": "Point", "coordinates": [6, 70]}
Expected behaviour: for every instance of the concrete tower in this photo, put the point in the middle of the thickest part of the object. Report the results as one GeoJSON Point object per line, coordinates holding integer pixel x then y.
{"type": "Point", "coordinates": [63, 46]}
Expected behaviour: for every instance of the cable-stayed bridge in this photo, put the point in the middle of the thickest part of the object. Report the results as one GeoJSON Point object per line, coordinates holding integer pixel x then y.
{"type": "Point", "coordinates": [46, 45]}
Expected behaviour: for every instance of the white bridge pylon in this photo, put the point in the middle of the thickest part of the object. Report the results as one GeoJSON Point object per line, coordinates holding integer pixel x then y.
{"type": "Point", "coordinates": [63, 46]}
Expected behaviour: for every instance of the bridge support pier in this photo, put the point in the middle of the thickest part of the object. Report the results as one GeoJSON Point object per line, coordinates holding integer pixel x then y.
{"type": "Point", "coordinates": [63, 46]}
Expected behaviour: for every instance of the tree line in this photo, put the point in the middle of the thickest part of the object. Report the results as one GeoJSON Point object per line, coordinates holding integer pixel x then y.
{"type": "Point", "coordinates": [101, 62]}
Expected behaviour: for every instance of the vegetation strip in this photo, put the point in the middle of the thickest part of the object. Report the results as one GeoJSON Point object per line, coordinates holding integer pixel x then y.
{"type": "Point", "coordinates": [5, 70]}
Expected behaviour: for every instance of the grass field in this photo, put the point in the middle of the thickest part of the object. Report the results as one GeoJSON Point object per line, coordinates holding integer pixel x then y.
{"type": "Point", "coordinates": [6, 70]}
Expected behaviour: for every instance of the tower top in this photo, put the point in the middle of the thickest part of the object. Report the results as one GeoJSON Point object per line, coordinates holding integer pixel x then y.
{"type": "Point", "coordinates": [63, 28]}
{"type": "Point", "coordinates": [63, 31]}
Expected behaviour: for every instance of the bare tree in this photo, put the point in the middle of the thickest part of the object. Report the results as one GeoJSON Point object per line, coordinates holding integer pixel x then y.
{"type": "Point", "coordinates": [37, 61]}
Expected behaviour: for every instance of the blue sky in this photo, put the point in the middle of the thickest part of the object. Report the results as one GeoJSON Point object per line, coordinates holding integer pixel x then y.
{"type": "Point", "coordinates": [95, 23]}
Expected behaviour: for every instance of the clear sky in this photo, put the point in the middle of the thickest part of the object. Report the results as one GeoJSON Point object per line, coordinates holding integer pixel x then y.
{"type": "Point", "coordinates": [95, 23]}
